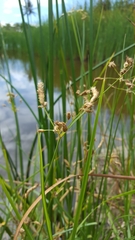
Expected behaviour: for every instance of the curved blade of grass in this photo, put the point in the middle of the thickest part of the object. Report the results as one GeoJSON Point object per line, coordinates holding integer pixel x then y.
{"type": "Point", "coordinates": [62, 181]}
{"type": "Point", "coordinates": [70, 229]}
{"type": "Point", "coordinates": [2, 183]}
{"type": "Point", "coordinates": [37, 201]}
{"type": "Point", "coordinates": [11, 163]}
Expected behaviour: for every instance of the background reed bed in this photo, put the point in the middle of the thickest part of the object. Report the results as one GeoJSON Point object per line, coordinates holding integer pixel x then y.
{"type": "Point", "coordinates": [113, 18]}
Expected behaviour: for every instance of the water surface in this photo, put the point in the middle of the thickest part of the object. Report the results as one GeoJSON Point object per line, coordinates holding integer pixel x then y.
{"type": "Point", "coordinates": [22, 80]}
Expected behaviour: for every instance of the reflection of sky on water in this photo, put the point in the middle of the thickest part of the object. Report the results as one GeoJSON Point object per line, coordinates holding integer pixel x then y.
{"type": "Point", "coordinates": [27, 123]}
{"type": "Point", "coordinates": [20, 80]}
{"type": "Point", "coordinates": [26, 120]}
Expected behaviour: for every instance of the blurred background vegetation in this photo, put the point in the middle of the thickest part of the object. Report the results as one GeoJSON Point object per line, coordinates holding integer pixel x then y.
{"type": "Point", "coordinates": [115, 29]}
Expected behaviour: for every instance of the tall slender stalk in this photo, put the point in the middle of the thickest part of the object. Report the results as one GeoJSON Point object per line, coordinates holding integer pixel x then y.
{"type": "Point", "coordinates": [86, 167]}
{"type": "Point", "coordinates": [18, 137]}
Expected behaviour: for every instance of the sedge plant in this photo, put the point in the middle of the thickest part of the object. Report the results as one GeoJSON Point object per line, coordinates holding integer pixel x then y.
{"type": "Point", "coordinates": [85, 188]}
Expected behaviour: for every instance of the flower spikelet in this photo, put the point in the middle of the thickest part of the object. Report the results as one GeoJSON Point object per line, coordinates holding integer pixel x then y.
{"type": "Point", "coordinates": [89, 100]}
{"type": "Point", "coordinates": [11, 96]}
{"type": "Point", "coordinates": [129, 60]}
{"type": "Point", "coordinates": [112, 64]}
{"type": "Point", "coordinates": [127, 65]}
{"type": "Point", "coordinates": [95, 94]}
{"type": "Point", "coordinates": [68, 115]}
{"type": "Point", "coordinates": [60, 127]}
{"type": "Point", "coordinates": [41, 95]}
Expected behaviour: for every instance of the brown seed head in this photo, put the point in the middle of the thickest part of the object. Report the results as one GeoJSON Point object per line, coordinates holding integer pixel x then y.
{"type": "Point", "coordinates": [41, 95]}
{"type": "Point", "coordinates": [88, 100]}
{"type": "Point", "coordinates": [126, 64]}
{"type": "Point", "coordinates": [129, 60]}
{"type": "Point", "coordinates": [60, 127]}
{"type": "Point", "coordinates": [112, 64]}
{"type": "Point", "coordinates": [122, 71]}
{"type": "Point", "coordinates": [78, 92]}
{"type": "Point", "coordinates": [10, 94]}
{"type": "Point", "coordinates": [68, 114]}
{"type": "Point", "coordinates": [95, 94]}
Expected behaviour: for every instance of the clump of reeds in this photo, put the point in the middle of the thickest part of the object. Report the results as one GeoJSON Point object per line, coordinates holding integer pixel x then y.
{"type": "Point", "coordinates": [74, 204]}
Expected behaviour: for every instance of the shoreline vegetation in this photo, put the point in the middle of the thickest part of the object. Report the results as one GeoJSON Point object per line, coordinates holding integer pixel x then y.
{"type": "Point", "coordinates": [115, 28]}
{"type": "Point", "coordinates": [81, 193]}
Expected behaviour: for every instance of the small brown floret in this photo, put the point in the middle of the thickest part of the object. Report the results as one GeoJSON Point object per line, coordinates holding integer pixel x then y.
{"type": "Point", "coordinates": [126, 64]}
{"type": "Point", "coordinates": [60, 127]}
{"type": "Point", "coordinates": [112, 64]}
{"type": "Point", "coordinates": [95, 94]}
{"type": "Point", "coordinates": [129, 60]}
{"type": "Point", "coordinates": [68, 114]}
{"type": "Point", "coordinates": [78, 92]}
{"type": "Point", "coordinates": [122, 71]}
{"type": "Point", "coordinates": [41, 95]}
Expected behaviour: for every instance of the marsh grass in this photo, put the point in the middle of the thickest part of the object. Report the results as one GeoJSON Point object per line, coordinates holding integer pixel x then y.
{"type": "Point", "coordinates": [85, 159]}
{"type": "Point", "coordinates": [105, 23]}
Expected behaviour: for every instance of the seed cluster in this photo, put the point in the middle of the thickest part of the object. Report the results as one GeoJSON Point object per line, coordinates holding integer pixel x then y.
{"type": "Point", "coordinates": [11, 96]}
{"type": "Point", "coordinates": [90, 97]}
{"type": "Point", "coordinates": [41, 95]}
{"type": "Point", "coordinates": [127, 65]}
{"type": "Point", "coordinates": [60, 127]}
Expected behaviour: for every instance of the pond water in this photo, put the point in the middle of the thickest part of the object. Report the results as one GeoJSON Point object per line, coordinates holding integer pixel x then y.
{"type": "Point", "coordinates": [23, 82]}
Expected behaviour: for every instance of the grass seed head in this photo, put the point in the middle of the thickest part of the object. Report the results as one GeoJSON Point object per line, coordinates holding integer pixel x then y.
{"type": "Point", "coordinates": [126, 64]}
{"type": "Point", "coordinates": [122, 71]}
{"type": "Point", "coordinates": [11, 96]}
{"type": "Point", "coordinates": [68, 115]}
{"type": "Point", "coordinates": [41, 95]}
{"type": "Point", "coordinates": [130, 61]}
{"type": "Point", "coordinates": [88, 100]}
{"type": "Point", "coordinates": [60, 127]}
{"type": "Point", "coordinates": [95, 94]}
{"type": "Point", "coordinates": [112, 64]}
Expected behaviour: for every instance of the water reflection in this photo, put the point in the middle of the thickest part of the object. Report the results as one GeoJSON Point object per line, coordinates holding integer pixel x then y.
{"type": "Point", "coordinates": [26, 120]}
{"type": "Point", "coordinates": [22, 80]}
